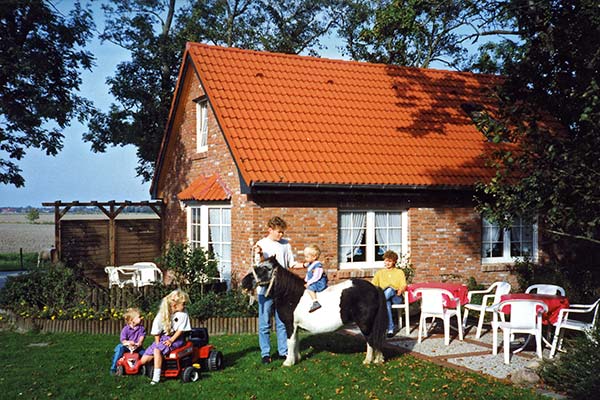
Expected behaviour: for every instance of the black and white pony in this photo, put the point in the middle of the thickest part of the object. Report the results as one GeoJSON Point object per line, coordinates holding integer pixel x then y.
{"type": "Point", "coordinates": [354, 300]}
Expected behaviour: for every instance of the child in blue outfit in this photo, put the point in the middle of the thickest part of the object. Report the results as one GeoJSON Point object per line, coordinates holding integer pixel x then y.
{"type": "Point", "coordinates": [168, 329]}
{"type": "Point", "coordinates": [316, 279]}
{"type": "Point", "coordinates": [132, 336]}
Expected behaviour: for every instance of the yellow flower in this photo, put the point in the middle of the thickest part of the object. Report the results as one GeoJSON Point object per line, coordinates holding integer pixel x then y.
{"type": "Point", "coordinates": [53, 317]}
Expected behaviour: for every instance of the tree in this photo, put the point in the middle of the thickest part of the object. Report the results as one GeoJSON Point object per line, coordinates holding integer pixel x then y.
{"type": "Point", "coordinates": [41, 57]}
{"type": "Point", "coordinates": [550, 110]}
{"type": "Point", "coordinates": [33, 215]}
{"type": "Point", "coordinates": [155, 33]}
{"type": "Point", "coordinates": [420, 32]}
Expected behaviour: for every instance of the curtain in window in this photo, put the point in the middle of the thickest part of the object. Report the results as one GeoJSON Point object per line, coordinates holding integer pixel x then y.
{"type": "Point", "coordinates": [381, 222]}
{"type": "Point", "coordinates": [388, 232]}
{"type": "Point", "coordinates": [219, 231]}
{"type": "Point", "coordinates": [353, 232]}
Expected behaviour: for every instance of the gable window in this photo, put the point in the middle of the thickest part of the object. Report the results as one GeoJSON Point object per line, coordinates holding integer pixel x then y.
{"type": "Point", "coordinates": [209, 227]}
{"type": "Point", "coordinates": [509, 244]}
{"type": "Point", "coordinates": [202, 126]}
{"type": "Point", "coordinates": [365, 235]}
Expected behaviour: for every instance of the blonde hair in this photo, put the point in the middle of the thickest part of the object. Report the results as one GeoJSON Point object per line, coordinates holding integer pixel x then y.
{"type": "Point", "coordinates": [313, 249]}
{"type": "Point", "coordinates": [130, 314]}
{"type": "Point", "coordinates": [177, 296]}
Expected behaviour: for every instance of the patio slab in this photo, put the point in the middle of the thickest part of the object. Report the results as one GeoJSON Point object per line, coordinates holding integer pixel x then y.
{"type": "Point", "coordinates": [470, 354]}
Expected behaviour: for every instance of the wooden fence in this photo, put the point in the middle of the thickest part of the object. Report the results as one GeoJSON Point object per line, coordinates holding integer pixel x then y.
{"type": "Point", "coordinates": [89, 242]}
{"type": "Point", "coordinates": [216, 326]}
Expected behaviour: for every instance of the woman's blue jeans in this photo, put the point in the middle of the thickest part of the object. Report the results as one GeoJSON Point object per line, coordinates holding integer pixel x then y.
{"type": "Point", "coordinates": [265, 311]}
{"type": "Point", "coordinates": [391, 298]}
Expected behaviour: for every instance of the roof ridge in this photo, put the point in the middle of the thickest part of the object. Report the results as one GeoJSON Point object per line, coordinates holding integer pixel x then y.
{"type": "Point", "coordinates": [335, 60]}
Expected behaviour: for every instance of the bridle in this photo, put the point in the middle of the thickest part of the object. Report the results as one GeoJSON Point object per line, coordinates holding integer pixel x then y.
{"type": "Point", "coordinates": [259, 283]}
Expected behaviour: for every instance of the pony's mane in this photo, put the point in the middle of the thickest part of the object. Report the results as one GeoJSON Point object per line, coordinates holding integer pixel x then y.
{"type": "Point", "coordinates": [287, 283]}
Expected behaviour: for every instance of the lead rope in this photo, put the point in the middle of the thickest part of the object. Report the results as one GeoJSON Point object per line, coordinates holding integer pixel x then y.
{"type": "Point", "coordinates": [271, 283]}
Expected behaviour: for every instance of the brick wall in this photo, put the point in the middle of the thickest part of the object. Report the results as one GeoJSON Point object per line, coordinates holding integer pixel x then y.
{"type": "Point", "coordinates": [444, 229]}
{"type": "Point", "coordinates": [445, 243]}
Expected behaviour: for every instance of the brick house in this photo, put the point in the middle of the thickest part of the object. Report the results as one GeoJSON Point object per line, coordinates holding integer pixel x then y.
{"type": "Point", "coordinates": [356, 157]}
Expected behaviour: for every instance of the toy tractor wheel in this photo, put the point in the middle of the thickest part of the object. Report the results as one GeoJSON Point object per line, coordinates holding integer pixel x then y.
{"type": "Point", "coordinates": [190, 374]}
{"type": "Point", "coordinates": [215, 360]}
{"type": "Point", "coordinates": [120, 370]}
{"type": "Point", "coordinates": [142, 370]}
{"type": "Point", "coordinates": [149, 370]}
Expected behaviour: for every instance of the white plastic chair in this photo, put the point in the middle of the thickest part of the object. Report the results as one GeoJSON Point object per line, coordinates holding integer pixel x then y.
{"type": "Point", "coordinates": [432, 306]}
{"type": "Point", "coordinates": [120, 277]}
{"type": "Point", "coordinates": [492, 293]}
{"type": "Point", "coordinates": [564, 322]}
{"type": "Point", "coordinates": [404, 308]}
{"type": "Point", "coordinates": [545, 289]}
{"type": "Point", "coordinates": [149, 273]}
{"type": "Point", "coordinates": [525, 317]}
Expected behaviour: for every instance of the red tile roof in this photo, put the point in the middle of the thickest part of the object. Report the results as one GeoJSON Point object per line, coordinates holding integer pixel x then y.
{"type": "Point", "coordinates": [206, 189]}
{"type": "Point", "coordinates": [301, 120]}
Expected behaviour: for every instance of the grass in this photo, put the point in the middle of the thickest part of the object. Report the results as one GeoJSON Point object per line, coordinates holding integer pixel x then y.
{"type": "Point", "coordinates": [12, 261]}
{"type": "Point", "coordinates": [75, 366]}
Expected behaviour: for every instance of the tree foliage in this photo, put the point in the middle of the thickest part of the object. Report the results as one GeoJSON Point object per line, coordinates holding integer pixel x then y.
{"type": "Point", "coordinates": [41, 57]}
{"type": "Point", "coordinates": [155, 33]}
{"type": "Point", "coordinates": [420, 32]}
{"type": "Point", "coordinates": [550, 108]}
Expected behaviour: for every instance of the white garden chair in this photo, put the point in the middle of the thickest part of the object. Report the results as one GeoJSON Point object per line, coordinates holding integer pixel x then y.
{"type": "Point", "coordinates": [493, 294]}
{"type": "Point", "coordinates": [432, 306]}
{"type": "Point", "coordinates": [525, 317]}
{"type": "Point", "coordinates": [564, 322]}
{"type": "Point", "coordinates": [120, 277]}
{"type": "Point", "coordinates": [544, 288]}
{"type": "Point", "coordinates": [404, 308]}
{"type": "Point", "coordinates": [148, 273]}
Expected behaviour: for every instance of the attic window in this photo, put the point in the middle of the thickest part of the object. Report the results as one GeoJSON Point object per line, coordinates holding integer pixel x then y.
{"type": "Point", "coordinates": [202, 125]}
{"type": "Point", "coordinates": [330, 82]}
{"type": "Point", "coordinates": [260, 75]}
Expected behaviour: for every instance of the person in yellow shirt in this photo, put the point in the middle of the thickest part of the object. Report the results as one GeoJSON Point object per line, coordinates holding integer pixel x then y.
{"type": "Point", "coordinates": [393, 282]}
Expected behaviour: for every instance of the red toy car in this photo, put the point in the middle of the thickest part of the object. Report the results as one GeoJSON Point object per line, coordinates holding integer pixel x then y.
{"type": "Point", "coordinates": [127, 365]}
{"type": "Point", "coordinates": [187, 361]}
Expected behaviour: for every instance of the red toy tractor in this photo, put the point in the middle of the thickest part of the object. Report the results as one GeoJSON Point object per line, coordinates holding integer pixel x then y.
{"type": "Point", "coordinates": [187, 361]}
{"type": "Point", "coordinates": [127, 365]}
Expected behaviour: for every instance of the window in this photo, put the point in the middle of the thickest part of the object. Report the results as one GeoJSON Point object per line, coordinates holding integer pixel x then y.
{"type": "Point", "coordinates": [210, 227]}
{"type": "Point", "coordinates": [202, 126]}
{"type": "Point", "coordinates": [365, 235]}
{"type": "Point", "coordinates": [510, 244]}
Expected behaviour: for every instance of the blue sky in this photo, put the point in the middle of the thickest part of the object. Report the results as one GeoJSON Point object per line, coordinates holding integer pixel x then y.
{"type": "Point", "coordinates": [77, 173]}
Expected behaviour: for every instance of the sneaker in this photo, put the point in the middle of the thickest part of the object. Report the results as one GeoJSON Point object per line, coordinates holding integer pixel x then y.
{"type": "Point", "coordinates": [154, 382]}
{"type": "Point", "coordinates": [282, 357]}
{"type": "Point", "coordinates": [391, 334]}
{"type": "Point", "coordinates": [315, 306]}
{"type": "Point", "coordinates": [266, 360]}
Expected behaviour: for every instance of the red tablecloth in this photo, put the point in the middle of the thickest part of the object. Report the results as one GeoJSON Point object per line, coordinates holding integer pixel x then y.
{"type": "Point", "coordinates": [459, 291]}
{"type": "Point", "coordinates": [555, 303]}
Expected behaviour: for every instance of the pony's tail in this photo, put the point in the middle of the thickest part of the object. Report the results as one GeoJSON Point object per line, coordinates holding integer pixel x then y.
{"type": "Point", "coordinates": [380, 325]}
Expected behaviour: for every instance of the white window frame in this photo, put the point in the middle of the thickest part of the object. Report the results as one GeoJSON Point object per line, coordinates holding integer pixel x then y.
{"type": "Point", "coordinates": [202, 126]}
{"type": "Point", "coordinates": [506, 242]}
{"type": "Point", "coordinates": [203, 230]}
{"type": "Point", "coordinates": [370, 238]}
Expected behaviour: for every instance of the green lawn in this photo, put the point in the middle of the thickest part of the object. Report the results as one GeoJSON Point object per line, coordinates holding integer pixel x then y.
{"type": "Point", "coordinates": [12, 261]}
{"type": "Point", "coordinates": [75, 366]}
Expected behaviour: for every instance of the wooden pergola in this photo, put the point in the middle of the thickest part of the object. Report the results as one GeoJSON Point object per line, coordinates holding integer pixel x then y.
{"type": "Point", "coordinates": [110, 208]}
